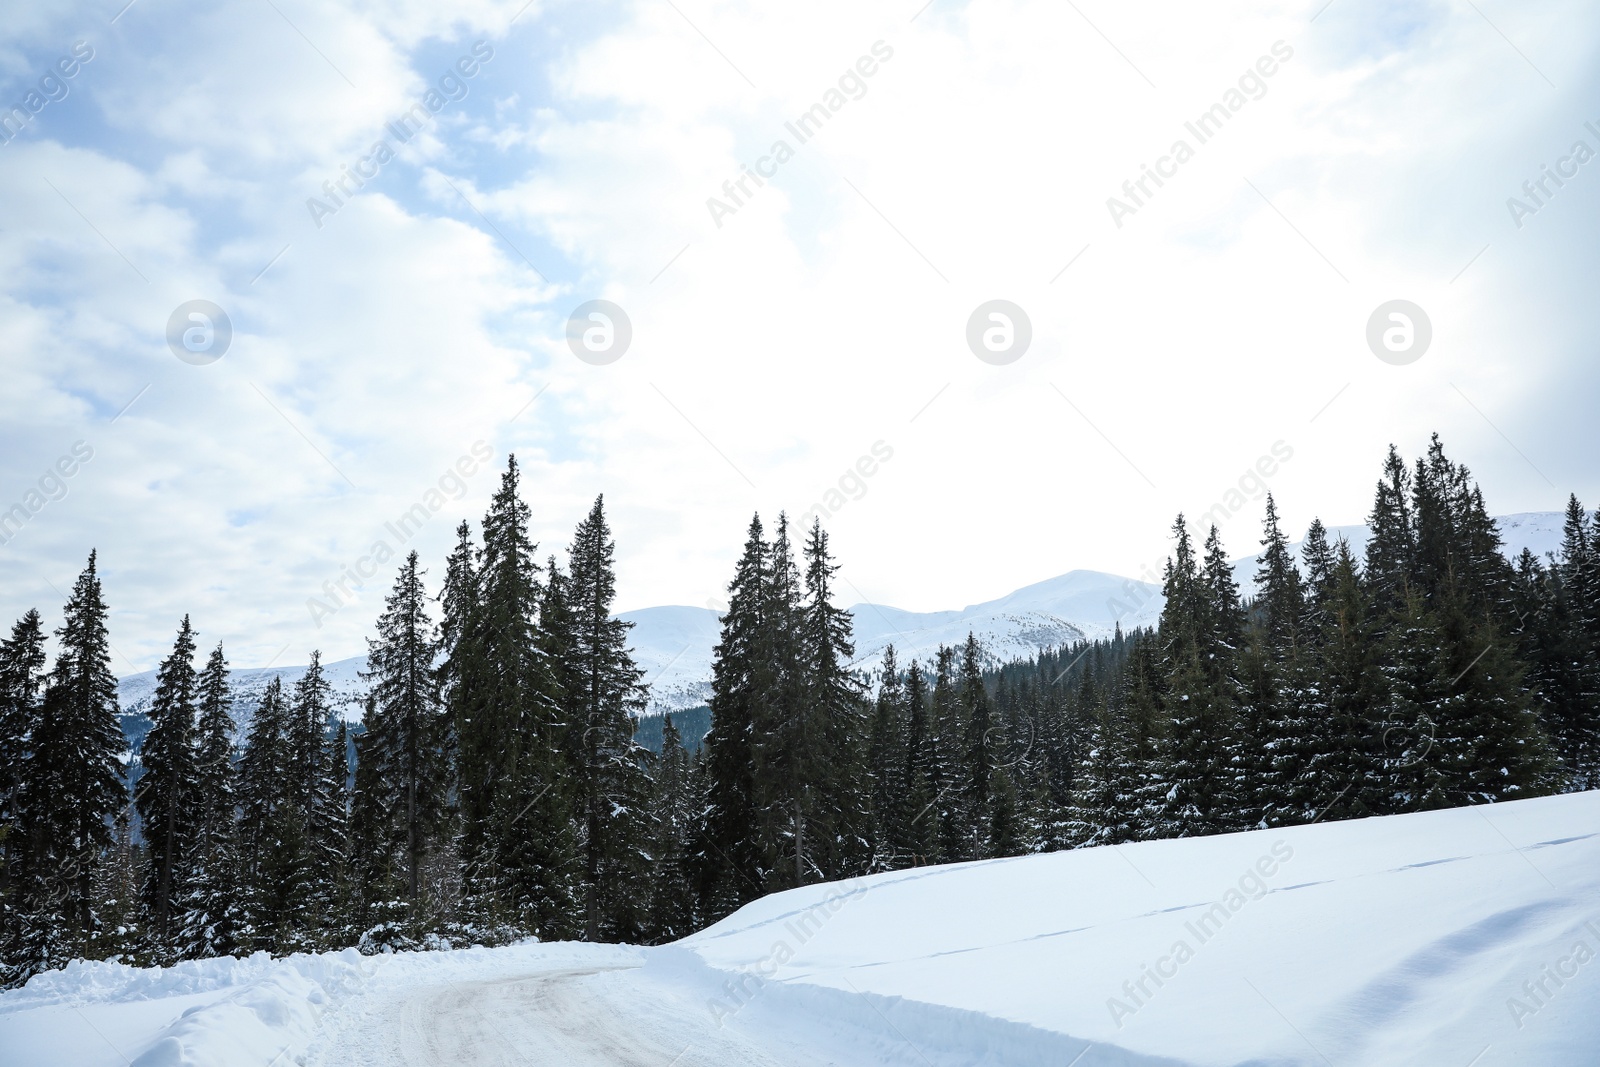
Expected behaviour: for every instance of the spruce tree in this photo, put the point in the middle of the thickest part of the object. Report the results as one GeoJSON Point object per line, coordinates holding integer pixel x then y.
{"type": "Point", "coordinates": [72, 791]}
{"type": "Point", "coordinates": [22, 681]}
{"type": "Point", "coordinates": [953, 817]}
{"type": "Point", "coordinates": [977, 763]}
{"type": "Point", "coordinates": [271, 826]}
{"type": "Point", "coordinates": [166, 796]}
{"type": "Point", "coordinates": [309, 710]}
{"type": "Point", "coordinates": [212, 912]}
{"type": "Point", "coordinates": [1345, 768]}
{"type": "Point", "coordinates": [1282, 708]}
{"type": "Point", "coordinates": [404, 775]}
{"type": "Point", "coordinates": [920, 840]}
{"type": "Point", "coordinates": [886, 766]}
{"type": "Point", "coordinates": [458, 606]}
{"type": "Point", "coordinates": [517, 835]}
{"type": "Point", "coordinates": [604, 697]}
{"type": "Point", "coordinates": [674, 806]}
{"type": "Point", "coordinates": [379, 878]}
{"type": "Point", "coordinates": [1564, 667]}
{"type": "Point", "coordinates": [835, 774]}
{"type": "Point", "coordinates": [729, 864]}
{"type": "Point", "coordinates": [1201, 624]}
{"type": "Point", "coordinates": [1392, 547]}
{"type": "Point", "coordinates": [787, 729]}
{"type": "Point", "coordinates": [1423, 752]}
{"type": "Point", "coordinates": [326, 920]}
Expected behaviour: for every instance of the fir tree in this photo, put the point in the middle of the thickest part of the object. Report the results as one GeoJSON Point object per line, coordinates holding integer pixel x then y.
{"type": "Point", "coordinates": [1281, 707]}
{"type": "Point", "coordinates": [458, 605]}
{"type": "Point", "coordinates": [309, 710]}
{"type": "Point", "coordinates": [835, 775]}
{"type": "Point", "coordinates": [22, 681]}
{"type": "Point", "coordinates": [920, 838]}
{"type": "Point", "coordinates": [977, 762]}
{"type": "Point", "coordinates": [1422, 755]}
{"type": "Point", "coordinates": [953, 817]}
{"type": "Point", "coordinates": [728, 860]}
{"type": "Point", "coordinates": [886, 766]}
{"type": "Point", "coordinates": [517, 839]}
{"type": "Point", "coordinates": [1345, 767]}
{"type": "Point", "coordinates": [271, 825]}
{"type": "Point", "coordinates": [787, 730]}
{"type": "Point", "coordinates": [166, 796]}
{"type": "Point", "coordinates": [402, 754]}
{"type": "Point", "coordinates": [1199, 629]}
{"type": "Point", "coordinates": [604, 697]}
{"type": "Point", "coordinates": [1391, 548]}
{"type": "Point", "coordinates": [674, 805]}
{"type": "Point", "coordinates": [212, 913]}
{"type": "Point", "coordinates": [72, 791]}
{"type": "Point", "coordinates": [328, 844]}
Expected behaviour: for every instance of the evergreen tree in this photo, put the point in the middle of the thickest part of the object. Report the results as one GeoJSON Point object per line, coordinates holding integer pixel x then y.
{"type": "Point", "coordinates": [458, 605]}
{"type": "Point", "coordinates": [166, 795]}
{"type": "Point", "coordinates": [1199, 629]}
{"type": "Point", "coordinates": [212, 913]}
{"type": "Point", "coordinates": [1345, 768]}
{"type": "Point", "coordinates": [1281, 709]}
{"type": "Point", "coordinates": [272, 835]}
{"type": "Point", "coordinates": [729, 864]}
{"type": "Point", "coordinates": [920, 838]}
{"type": "Point", "coordinates": [22, 681]}
{"type": "Point", "coordinates": [309, 710]}
{"type": "Point", "coordinates": [72, 791]}
{"type": "Point", "coordinates": [953, 818]}
{"type": "Point", "coordinates": [404, 777]}
{"type": "Point", "coordinates": [787, 734]}
{"type": "Point", "coordinates": [835, 774]}
{"type": "Point", "coordinates": [379, 873]}
{"type": "Point", "coordinates": [517, 836]}
{"type": "Point", "coordinates": [1564, 669]}
{"type": "Point", "coordinates": [977, 763]}
{"type": "Point", "coordinates": [675, 807]}
{"type": "Point", "coordinates": [1391, 548]}
{"type": "Point", "coordinates": [325, 920]}
{"type": "Point", "coordinates": [886, 766]}
{"type": "Point", "coordinates": [604, 697]}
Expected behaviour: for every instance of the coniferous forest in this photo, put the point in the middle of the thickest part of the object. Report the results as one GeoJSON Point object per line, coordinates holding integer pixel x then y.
{"type": "Point", "coordinates": [496, 790]}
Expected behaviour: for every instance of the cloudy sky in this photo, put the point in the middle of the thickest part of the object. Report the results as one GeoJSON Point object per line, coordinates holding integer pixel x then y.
{"type": "Point", "coordinates": [381, 331]}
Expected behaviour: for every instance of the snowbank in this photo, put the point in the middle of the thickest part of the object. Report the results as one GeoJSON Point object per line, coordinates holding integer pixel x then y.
{"type": "Point", "coordinates": [1413, 939]}
{"type": "Point", "coordinates": [203, 1013]}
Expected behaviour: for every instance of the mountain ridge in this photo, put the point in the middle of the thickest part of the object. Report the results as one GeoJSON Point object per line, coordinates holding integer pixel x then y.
{"type": "Point", "coordinates": [674, 643]}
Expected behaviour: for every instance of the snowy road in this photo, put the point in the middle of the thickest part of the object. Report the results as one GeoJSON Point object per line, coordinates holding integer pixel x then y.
{"type": "Point", "coordinates": [577, 1016]}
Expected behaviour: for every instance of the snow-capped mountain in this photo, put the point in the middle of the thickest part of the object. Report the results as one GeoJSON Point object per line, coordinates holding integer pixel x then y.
{"type": "Point", "coordinates": [249, 683]}
{"type": "Point", "coordinates": [673, 644]}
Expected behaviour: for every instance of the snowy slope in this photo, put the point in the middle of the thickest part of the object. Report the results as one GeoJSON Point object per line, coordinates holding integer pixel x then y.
{"type": "Point", "coordinates": [673, 646]}
{"type": "Point", "coordinates": [1468, 936]}
{"type": "Point", "coordinates": [1383, 941]}
{"type": "Point", "coordinates": [249, 683]}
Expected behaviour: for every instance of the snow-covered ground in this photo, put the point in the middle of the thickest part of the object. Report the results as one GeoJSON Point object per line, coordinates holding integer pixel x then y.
{"type": "Point", "coordinates": [1450, 938]}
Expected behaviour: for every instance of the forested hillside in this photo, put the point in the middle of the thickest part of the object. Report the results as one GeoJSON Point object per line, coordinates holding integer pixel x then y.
{"type": "Point", "coordinates": [498, 790]}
